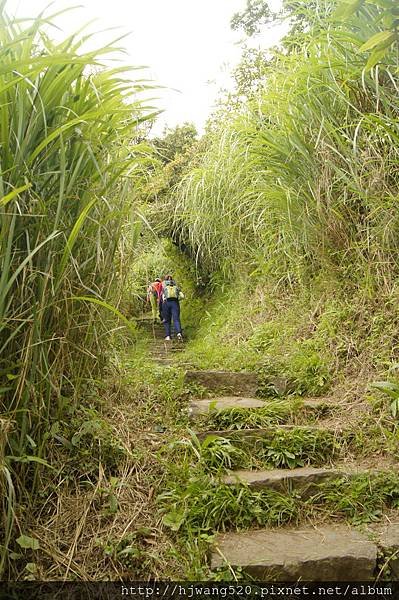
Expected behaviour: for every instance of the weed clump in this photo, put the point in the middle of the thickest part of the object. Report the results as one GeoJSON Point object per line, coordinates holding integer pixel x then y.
{"type": "Point", "coordinates": [359, 499]}
{"type": "Point", "coordinates": [203, 505]}
{"type": "Point", "coordinates": [89, 441]}
{"type": "Point", "coordinates": [276, 412]}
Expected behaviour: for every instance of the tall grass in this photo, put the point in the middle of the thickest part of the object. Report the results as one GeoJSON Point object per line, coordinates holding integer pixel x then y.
{"type": "Point", "coordinates": [69, 163]}
{"type": "Point", "coordinates": [307, 178]}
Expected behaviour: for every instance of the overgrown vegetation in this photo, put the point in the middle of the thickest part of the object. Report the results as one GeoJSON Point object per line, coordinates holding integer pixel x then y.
{"type": "Point", "coordinates": [304, 180]}
{"type": "Point", "coordinates": [289, 215]}
{"type": "Point", "coordinates": [196, 501]}
{"type": "Point", "coordinates": [280, 225]}
{"type": "Point", "coordinates": [243, 418]}
{"type": "Point", "coordinates": [292, 203]}
{"type": "Point", "coordinates": [205, 506]}
{"type": "Point", "coordinates": [70, 159]}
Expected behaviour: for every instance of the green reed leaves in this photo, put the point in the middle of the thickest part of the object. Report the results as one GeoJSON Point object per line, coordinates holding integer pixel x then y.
{"type": "Point", "coordinates": [70, 161]}
{"type": "Point", "coordinates": [304, 179]}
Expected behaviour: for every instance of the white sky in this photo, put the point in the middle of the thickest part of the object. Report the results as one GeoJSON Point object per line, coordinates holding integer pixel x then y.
{"type": "Point", "coordinates": [187, 45]}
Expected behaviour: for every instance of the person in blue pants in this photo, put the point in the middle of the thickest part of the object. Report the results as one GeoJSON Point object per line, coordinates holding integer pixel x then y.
{"type": "Point", "coordinates": [171, 296]}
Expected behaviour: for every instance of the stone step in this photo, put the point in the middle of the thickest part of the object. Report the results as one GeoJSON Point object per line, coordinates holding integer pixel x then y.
{"type": "Point", "coordinates": [328, 553]}
{"type": "Point", "coordinates": [303, 479]}
{"type": "Point", "coordinates": [237, 434]}
{"type": "Point", "coordinates": [175, 345]}
{"type": "Point", "coordinates": [241, 383]}
{"type": "Point", "coordinates": [162, 360]}
{"type": "Point", "coordinates": [306, 479]}
{"type": "Point", "coordinates": [204, 407]}
{"type": "Point", "coordinates": [147, 323]}
{"type": "Point", "coordinates": [165, 351]}
{"type": "Point", "coordinates": [164, 354]}
{"type": "Point", "coordinates": [209, 405]}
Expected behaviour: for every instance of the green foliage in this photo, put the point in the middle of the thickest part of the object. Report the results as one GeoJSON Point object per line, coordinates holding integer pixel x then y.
{"type": "Point", "coordinates": [128, 552]}
{"type": "Point", "coordinates": [311, 373]}
{"type": "Point", "coordinates": [275, 447]}
{"type": "Point", "coordinates": [304, 181]}
{"type": "Point", "coordinates": [272, 333]}
{"type": "Point", "coordinates": [207, 505]}
{"type": "Point", "coordinates": [295, 447]}
{"type": "Point", "coordinates": [250, 73]}
{"type": "Point", "coordinates": [64, 126]}
{"type": "Point", "coordinates": [213, 454]}
{"type": "Point", "coordinates": [156, 392]}
{"type": "Point", "coordinates": [204, 505]}
{"type": "Point", "coordinates": [220, 339]}
{"type": "Point", "coordinates": [361, 498]}
{"type": "Point", "coordinates": [250, 20]}
{"type": "Point", "coordinates": [175, 141]}
{"type": "Point", "coordinates": [25, 541]}
{"type": "Point", "coordinates": [110, 497]}
{"type": "Point", "coordinates": [70, 160]}
{"type": "Point", "coordinates": [392, 391]}
{"type": "Point", "coordinates": [380, 42]}
{"type": "Point", "coordinates": [274, 412]}
{"type": "Point", "coordinates": [90, 441]}
{"type": "Point", "coordinates": [175, 150]}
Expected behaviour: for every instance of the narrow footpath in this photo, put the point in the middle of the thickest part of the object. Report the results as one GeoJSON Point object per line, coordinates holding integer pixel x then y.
{"type": "Point", "coordinates": [329, 551]}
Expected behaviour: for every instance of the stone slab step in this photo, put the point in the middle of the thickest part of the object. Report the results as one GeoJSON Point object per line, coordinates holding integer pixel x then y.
{"type": "Point", "coordinates": [304, 479]}
{"type": "Point", "coordinates": [144, 318]}
{"type": "Point", "coordinates": [169, 345]}
{"type": "Point", "coordinates": [328, 553]}
{"type": "Point", "coordinates": [148, 324]}
{"type": "Point", "coordinates": [204, 407]}
{"type": "Point", "coordinates": [163, 361]}
{"type": "Point", "coordinates": [165, 352]}
{"type": "Point", "coordinates": [232, 434]}
{"type": "Point", "coordinates": [242, 383]}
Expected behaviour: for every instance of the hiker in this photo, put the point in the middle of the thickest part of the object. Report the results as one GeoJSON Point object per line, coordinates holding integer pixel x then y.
{"type": "Point", "coordinates": [171, 296]}
{"type": "Point", "coordinates": [153, 295]}
{"type": "Point", "coordinates": [160, 300]}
